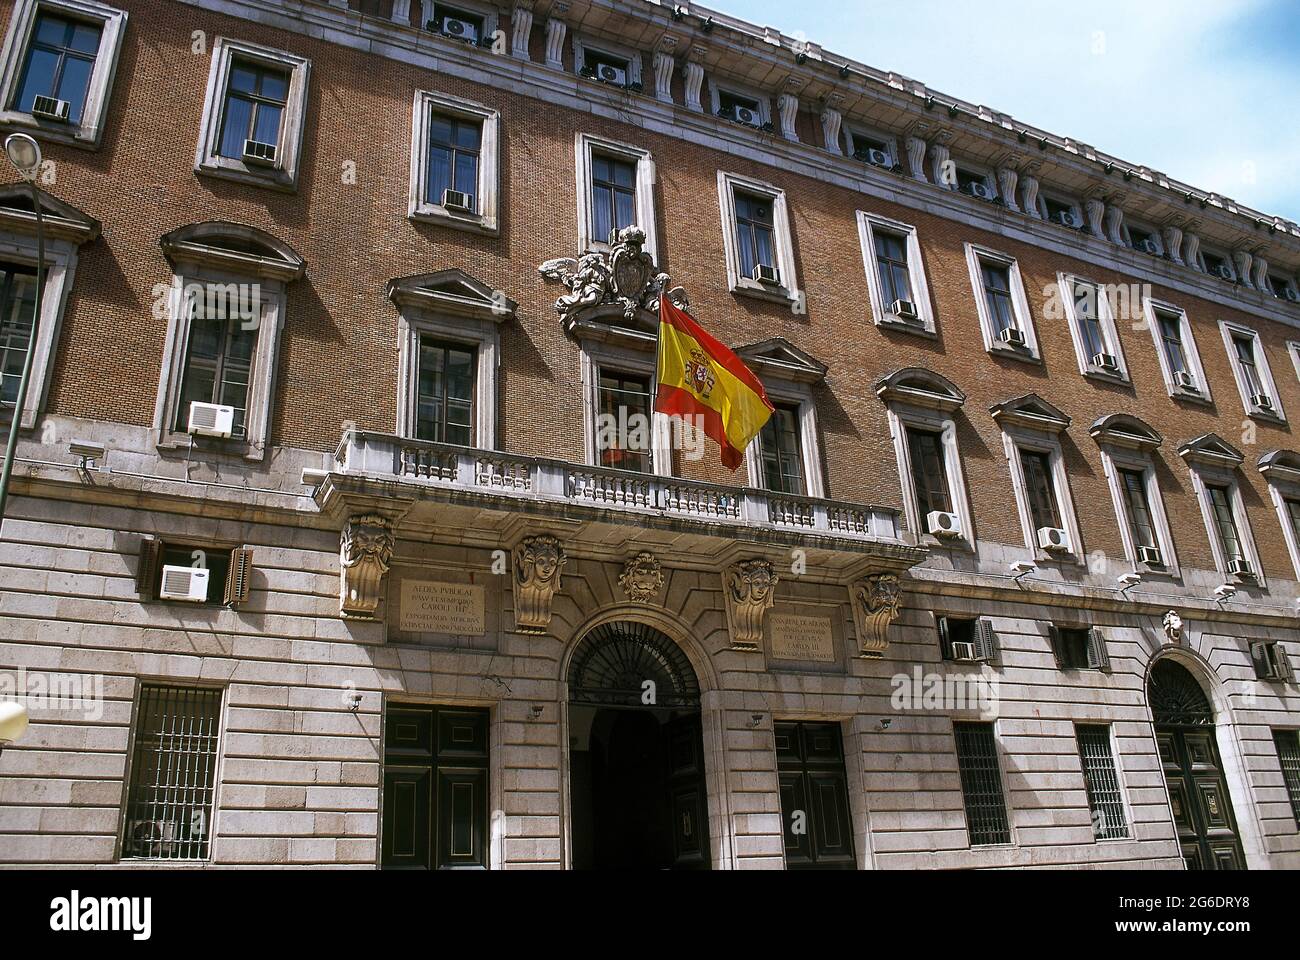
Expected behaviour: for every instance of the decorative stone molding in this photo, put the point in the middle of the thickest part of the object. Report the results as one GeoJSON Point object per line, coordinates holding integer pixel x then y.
{"type": "Point", "coordinates": [555, 30]}
{"type": "Point", "coordinates": [538, 562]}
{"type": "Point", "coordinates": [1115, 223]}
{"type": "Point", "coordinates": [750, 590]}
{"type": "Point", "coordinates": [664, 64]}
{"type": "Point", "coordinates": [787, 108]}
{"type": "Point", "coordinates": [916, 148]}
{"type": "Point", "coordinates": [365, 549]}
{"type": "Point", "coordinates": [624, 275]}
{"type": "Point", "coordinates": [939, 157]}
{"type": "Point", "coordinates": [694, 73]}
{"type": "Point", "coordinates": [1008, 177]}
{"type": "Point", "coordinates": [1095, 210]}
{"type": "Point", "coordinates": [1172, 234]}
{"type": "Point", "coordinates": [876, 604]}
{"type": "Point", "coordinates": [1173, 626]}
{"type": "Point", "coordinates": [1243, 260]}
{"type": "Point", "coordinates": [521, 28]}
{"type": "Point", "coordinates": [1260, 276]}
{"type": "Point", "coordinates": [402, 12]}
{"type": "Point", "coordinates": [1192, 251]}
{"type": "Point", "coordinates": [641, 578]}
{"type": "Point", "coordinates": [1029, 190]}
{"type": "Point", "coordinates": [832, 121]}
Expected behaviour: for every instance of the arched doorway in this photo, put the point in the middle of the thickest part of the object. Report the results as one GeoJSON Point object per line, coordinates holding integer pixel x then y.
{"type": "Point", "coordinates": [1189, 754]}
{"type": "Point", "coordinates": [636, 758]}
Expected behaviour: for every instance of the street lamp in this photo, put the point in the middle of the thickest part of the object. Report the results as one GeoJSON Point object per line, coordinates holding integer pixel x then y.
{"type": "Point", "coordinates": [25, 154]}
{"type": "Point", "coordinates": [13, 722]}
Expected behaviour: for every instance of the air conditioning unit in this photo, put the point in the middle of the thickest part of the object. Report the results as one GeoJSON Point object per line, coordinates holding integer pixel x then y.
{"type": "Point", "coordinates": [1148, 246]}
{"type": "Point", "coordinates": [50, 108]}
{"type": "Point", "coordinates": [153, 839]}
{"type": "Point", "coordinates": [1262, 400]}
{"type": "Point", "coordinates": [1225, 272]}
{"type": "Point", "coordinates": [458, 29]}
{"type": "Point", "coordinates": [1066, 218]}
{"type": "Point", "coordinates": [905, 310]}
{"type": "Point", "coordinates": [1105, 361]}
{"type": "Point", "coordinates": [608, 73]}
{"type": "Point", "coordinates": [1013, 336]}
{"type": "Point", "coordinates": [1240, 568]}
{"type": "Point", "coordinates": [211, 420]}
{"type": "Point", "coordinates": [457, 200]}
{"type": "Point", "coordinates": [1289, 293]}
{"type": "Point", "coordinates": [744, 115]}
{"type": "Point", "coordinates": [1150, 556]}
{"type": "Point", "coordinates": [963, 651]}
{"type": "Point", "coordinates": [1053, 538]}
{"type": "Point", "coordinates": [943, 524]}
{"type": "Point", "coordinates": [977, 189]}
{"type": "Point", "coordinates": [1185, 380]}
{"type": "Point", "coordinates": [877, 158]}
{"type": "Point", "coordinates": [185, 583]}
{"type": "Point", "coordinates": [262, 154]}
{"type": "Point", "coordinates": [768, 276]}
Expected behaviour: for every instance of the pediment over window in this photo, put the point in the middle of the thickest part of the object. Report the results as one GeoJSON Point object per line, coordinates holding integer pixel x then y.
{"type": "Point", "coordinates": [922, 388]}
{"type": "Point", "coordinates": [1283, 465]}
{"type": "Point", "coordinates": [234, 247]}
{"type": "Point", "coordinates": [1212, 450]}
{"type": "Point", "coordinates": [1032, 412]}
{"type": "Point", "coordinates": [60, 220]}
{"type": "Point", "coordinates": [779, 359]}
{"type": "Point", "coordinates": [1122, 430]}
{"type": "Point", "coordinates": [452, 292]}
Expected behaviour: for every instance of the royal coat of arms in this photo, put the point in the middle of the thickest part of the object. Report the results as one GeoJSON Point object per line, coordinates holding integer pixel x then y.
{"type": "Point", "coordinates": [699, 374]}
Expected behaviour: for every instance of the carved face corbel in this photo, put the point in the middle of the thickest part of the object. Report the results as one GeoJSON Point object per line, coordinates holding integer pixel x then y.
{"type": "Point", "coordinates": [877, 600]}
{"type": "Point", "coordinates": [1173, 625]}
{"type": "Point", "coordinates": [750, 590]}
{"type": "Point", "coordinates": [641, 578]}
{"type": "Point", "coordinates": [365, 550]}
{"type": "Point", "coordinates": [538, 562]}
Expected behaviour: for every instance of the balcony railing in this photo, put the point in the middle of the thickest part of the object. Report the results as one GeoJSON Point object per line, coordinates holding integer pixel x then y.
{"type": "Point", "coordinates": [489, 472]}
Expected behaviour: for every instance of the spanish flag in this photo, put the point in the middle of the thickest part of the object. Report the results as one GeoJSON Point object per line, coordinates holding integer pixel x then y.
{"type": "Point", "coordinates": [698, 376]}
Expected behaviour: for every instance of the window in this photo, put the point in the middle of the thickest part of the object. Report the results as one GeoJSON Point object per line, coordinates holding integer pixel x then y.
{"type": "Point", "coordinates": [57, 68]}
{"type": "Point", "coordinates": [1037, 468]}
{"type": "Point", "coordinates": [756, 234]}
{"type": "Point", "coordinates": [1105, 796]}
{"type": "Point", "coordinates": [617, 66]}
{"type": "Point", "coordinates": [454, 163]}
{"type": "Point", "coordinates": [17, 311]}
{"type": "Point", "coordinates": [166, 567]}
{"type": "Point", "coordinates": [814, 795]}
{"type": "Point", "coordinates": [1133, 484]}
{"type": "Point", "coordinates": [1092, 326]}
{"type": "Point", "coordinates": [928, 472]}
{"type": "Point", "coordinates": [219, 354]}
{"type": "Point", "coordinates": [1288, 756]}
{"type": "Point", "coordinates": [781, 452]}
{"type": "Point", "coordinates": [1060, 211]}
{"type": "Point", "coordinates": [1225, 523]}
{"type": "Point", "coordinates": [253, 115]}
{"type": "Point", "coordinates": [1281, 469]}
{"type": "Point", "coordinates": [1079, 648]}
{"type": "Point", "coordinates": [615, 191]}
{"type": "Point", "coordinates": [1180, 361]}
{"type": "Point", "coordinates": [445, 393]}
{"type": "Point", "coordinates": [1283, 288]}
{"type": "Point", "coordinates": [976, 184]}
{"type": "Point", "coordinates": [1259, 394]}
{"type": "Point", "coordinates": [435, 786]}
{"type": "Point", "coordinates": [1147, 241]}
{"type": "Point", "coordinates": [1128, 448]}
{"type": "Point", "coordinates": [751, 110]}
{"type": "Point", "coordinates": [624, 421]}
{"type": "Point", "coordinates": [870, 147]}
{"type": "Point", "coordinates": [1031, 430]}
{"type": "Point", "coordinates": [173, 774]}
{"type": "Point", "coordinates": [1214, 464]}
{"type": "Point", "coordinates": [457, 24]}
{"type": "Point", "coordinates": [1002, 304]}
{"type": "Point", "coordinates": [981, 784]}
{"type": "Point", "coordinates": [962, 639]}
{"type": "Point", "coordinates": [1271, 661]}
{"type": "Point", "coordinates": [1218, 265]}
{"type": "Point", "coordinates": [900, 295]}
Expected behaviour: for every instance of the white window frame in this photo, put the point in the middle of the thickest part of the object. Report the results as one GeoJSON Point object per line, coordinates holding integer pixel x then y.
{"type": "Point", "coordinates": [799, 395]}
{"type": "Point", "coordinates": [487, 219]}
{"type": "Point", "coordinates": [788, 291]}
{"type": "Point", "coordinates": [1076, 210]}
{"type": "Point", "coordinates": [1106, 318]}
{"type": "Point", "coordinates": [1231, 330]}
{"type": "Point", "coordinates": [483, 335]}
{"type": "Point", "coordinates": [1152, 231]}
{"type": "Point", "coordinates": [975, 256]}
{"type": "Point", "coordinates": [989, 177]}
{"type": "Point", "coordinates": [1284, 484]}
{"type": "Point", "coordinates": [596, 355]}
{"type": "Point", "coordinates": [93, 115]}
{"type": "Point", "coordinates": [1015, 438]}
{"type": "Point", "coordinates": [903, 417]}
{"type": "Point", "coordinates": [854, 130]}
{"type": "Point", "coordinates": [1115, 459]}
{"type": "Point", "coordinates": [586, 146]}
{"type": "Point", "coordinates": [489, 14]}
{"type": "Point", "coordinates": [719, 87]}
{"type": "Point", "coordinates": [1204, 475]}
{"type": "Point", "coordinates": [284, 174]}
{"type": "Point", "coordinates": [1222, 255]}
{"type": "Point", "coordinates": [583, 44]}
{"type": "Point", "coordinates": [1293, 350]}
{"type": "Point", "coordinates": [867, 225]}
{"type": "Point", "coordinates": [1152, 308]}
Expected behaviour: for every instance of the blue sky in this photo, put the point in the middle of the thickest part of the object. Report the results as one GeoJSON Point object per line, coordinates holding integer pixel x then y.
{"type": "Point", "coordinates": [1207, 91]}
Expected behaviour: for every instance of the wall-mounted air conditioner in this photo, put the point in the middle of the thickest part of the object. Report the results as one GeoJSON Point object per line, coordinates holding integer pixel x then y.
{"type": "Point", "coordinates": [1150, 556]}
{"type": "Point", "coordinates": [1053, 538]}
{"type": "Point", "coordinates": [905, 310]}
{"type": "Point", "coordinates": [1013, 336]}
{"type": "Point", "coordinates": [1185, 380]}
{"type": "Point", "coordinates": [211, 420]}
{"type": "Point", "coordinates": [456, 200]}
{"type": "Point", "coordinates": [1105, 361]}
{"type": "Point", "coordinates": [943, 524]}
{"type": "Point", "coordinates": [51, 108]}
{"type": "Point", "coordinates": [184, 583]}
{"type": "Point", "coordinates": [262, 154]}
{"type": "Point", "coordinates": [766, 275]}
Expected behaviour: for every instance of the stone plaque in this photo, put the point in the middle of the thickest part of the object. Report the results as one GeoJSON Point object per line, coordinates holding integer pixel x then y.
{"type": "Point", "coordinates": [798, 637]}
{"type": "Point", "coordinates": [431, 606]}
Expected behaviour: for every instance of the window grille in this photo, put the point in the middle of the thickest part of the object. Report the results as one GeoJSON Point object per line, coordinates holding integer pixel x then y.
{"type": "Point", "coordinates": [1288, 754]}
{"type": "Point", "coordinates": [981, 784]}
{"type": "Point", "coordinates": [1105, 798]}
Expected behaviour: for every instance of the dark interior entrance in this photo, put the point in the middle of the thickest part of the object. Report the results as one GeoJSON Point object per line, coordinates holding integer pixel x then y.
{"type": "Point", "coordinates": [636, 757]}
{"type": "Point", "coordinates": [1189, 754]}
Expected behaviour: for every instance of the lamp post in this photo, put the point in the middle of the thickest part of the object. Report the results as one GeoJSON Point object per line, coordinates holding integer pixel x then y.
{"type": "Point", "coordinates": [25, 154]}
{"type": "Point", "coordinates": [13, 723]}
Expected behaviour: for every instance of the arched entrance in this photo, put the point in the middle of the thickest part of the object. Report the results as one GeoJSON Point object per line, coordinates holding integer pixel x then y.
{"type": "Point", "coordinates": [1198, 792]}
{"type": "Point", "coordinates": [636, 759]}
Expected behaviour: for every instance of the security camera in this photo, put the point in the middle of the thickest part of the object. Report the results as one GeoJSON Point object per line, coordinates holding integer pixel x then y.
{"type": "Point", "coordinates": [87, 452]}
{"type": "Point", "coordinates": [1127, 580]}
{"type": "Point", "coordinates": [1225, 592]}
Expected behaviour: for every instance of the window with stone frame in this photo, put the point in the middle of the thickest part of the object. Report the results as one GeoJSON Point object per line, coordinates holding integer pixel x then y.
{"type": "Point", "coordinates": [455, 166]}
{"type": "Point", "coordinates": [1250, 367]}
{"type": "Point", "coordinates": [219, 353]}
{"type": "Point", "coordinates": [624, 420]}
{"type": "Point", "coordinates": [1214, 466]}
{"type": "Point", "coordinates": [444, 401]}
{"type": "Point", "coordinates": [615, 183]}
{"type": "Point", "coordinates": [1091, 319]}
{"type": "Point", "coordinates": [757, 239]}
{"type": "Point", "coordinates": [17, 306]}
{"type": "Point", "coordinates": [981, 784]}
{"type": "Point", "coordinates": [1175, 343]}
{"type": "Point", "coordinates": [1041, 488]}
{"type": "Point", "coordinates": [1101, 778]}
{"type": "Point", "coordinates": [895, 268]}
{"type": "Point", "coordinates": [1002, 304]}
{"type": "Point", "coordinates": [781, 452]}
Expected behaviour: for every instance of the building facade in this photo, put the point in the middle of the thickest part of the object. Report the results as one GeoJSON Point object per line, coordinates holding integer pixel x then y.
{"type": "Point", "coordinates": [342, 532]}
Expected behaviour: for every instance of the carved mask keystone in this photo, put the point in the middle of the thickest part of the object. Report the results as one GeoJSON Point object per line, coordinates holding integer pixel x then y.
{"type": "Point", "coordinates": [641, 578]}
{"type": "Point", "coordinates": [537, 565]}
{"type": "Point", "coordinates": [876, 604]}
{"type": "Point", "coordinates": [365, 549]}
{"type": "Point", "coordinates": [750, 591]}
{"type": "Point", "coordinates": [1173, 627]}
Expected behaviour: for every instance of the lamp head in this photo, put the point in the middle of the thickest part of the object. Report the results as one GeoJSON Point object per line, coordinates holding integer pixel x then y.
{"type": "Point", "coordinates": [25, 154]}
{"type": "Point", "coordinates": [13, 721]}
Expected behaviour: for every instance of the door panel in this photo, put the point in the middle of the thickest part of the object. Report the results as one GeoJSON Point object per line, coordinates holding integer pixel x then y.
{"type": "Point", "coordinates": [817, 825]}
{"type": "Point", "coordinates": [1199, 799]}
{"type": "Point", "coordinates": [406, 818]}
{"type": "Point", "coordinates": [688, 813]}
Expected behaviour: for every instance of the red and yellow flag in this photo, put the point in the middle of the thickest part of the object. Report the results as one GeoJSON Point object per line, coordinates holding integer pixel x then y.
{"type": "Point", "coordinates": [699, 377]}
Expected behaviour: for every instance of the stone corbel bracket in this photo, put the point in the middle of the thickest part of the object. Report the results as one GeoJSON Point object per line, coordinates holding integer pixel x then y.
{"type": "Point", "coordinates": [365, 551]}
{"type": "Point", "coordinates": [537, 564]}
{"type": "Point", "coordinates": [750, 591]}
{"type": "Point", "coordinates": [877, 600]}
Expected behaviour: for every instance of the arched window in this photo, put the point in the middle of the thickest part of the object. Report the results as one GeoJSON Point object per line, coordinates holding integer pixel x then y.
{"type": "Point", "coordinates": [614, 662]}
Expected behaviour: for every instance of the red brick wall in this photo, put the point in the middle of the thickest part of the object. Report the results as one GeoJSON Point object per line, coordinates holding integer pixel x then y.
{"type": "Point", "coordinates": [339, 350]}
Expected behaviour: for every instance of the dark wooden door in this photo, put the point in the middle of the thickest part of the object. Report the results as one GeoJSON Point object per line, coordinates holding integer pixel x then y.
{"type": "Point", "coordinates": [814, 797]}
{"type": "Point", "coordinates": [435, 788]}
{"type": "Point", "coordinates": [688, 815]}
{"type": "Point", "coordinates": [1198, 795]}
